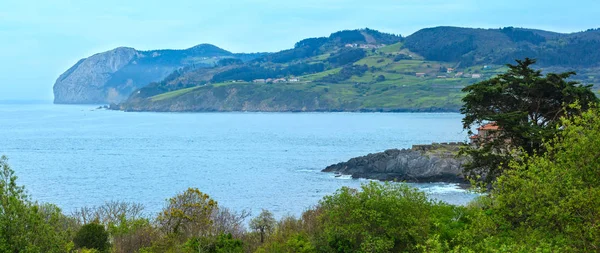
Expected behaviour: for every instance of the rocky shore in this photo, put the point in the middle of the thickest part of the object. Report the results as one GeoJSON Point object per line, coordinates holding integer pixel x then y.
{"type": "Point", "coordinates": [420, 164]}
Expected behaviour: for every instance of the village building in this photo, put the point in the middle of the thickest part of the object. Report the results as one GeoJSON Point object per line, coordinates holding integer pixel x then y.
{"type": "Point", "coordinates": [280, 80]}
{"type": "Point", "coordinates": [459, 74]}
{"type": "Point", "coordinates": [476, 76]}
{"type": "Point", "coordinates": [449, 70]}
{"type": "Point", "coordinates": [259, 81]}
{"type": "Point", "coordinates": [294, 80]}
{"type": "Point", "coordinates": [420, 74]}
{"type": "Point", "coordinates": [485, 133]}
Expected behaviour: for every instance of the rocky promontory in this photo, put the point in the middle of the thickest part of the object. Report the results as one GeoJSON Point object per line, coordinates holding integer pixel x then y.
{"type": "Point", "coordinates": [112, 76]}
{"type": "Point", "coordinates": [421, 164]}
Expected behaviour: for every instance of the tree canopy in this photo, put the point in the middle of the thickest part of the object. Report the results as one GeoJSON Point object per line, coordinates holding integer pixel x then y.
{"type": "Point", "coordinates": [526, 106]}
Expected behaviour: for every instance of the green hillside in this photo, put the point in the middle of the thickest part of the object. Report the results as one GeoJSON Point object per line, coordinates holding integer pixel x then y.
{"type": "Point", "coordinates": [363, 70]}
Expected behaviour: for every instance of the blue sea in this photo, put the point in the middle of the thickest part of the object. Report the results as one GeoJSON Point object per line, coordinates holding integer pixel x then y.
{"type": "Point", "coordinates": [77, 155]}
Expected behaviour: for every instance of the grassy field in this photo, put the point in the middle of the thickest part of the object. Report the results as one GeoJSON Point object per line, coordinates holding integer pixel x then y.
{"type": "Point", "coordinates": [317, 76]}
{"type": "Point", "coordinates": [173, 94]}
{"type": "Point", "coordinates": [400, 88]}
{"type": "Point", "coordinates": [393, 48]}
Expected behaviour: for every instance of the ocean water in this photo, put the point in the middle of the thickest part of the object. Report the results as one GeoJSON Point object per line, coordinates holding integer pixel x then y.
{"type": "Point", "coordinates": [76, 156]}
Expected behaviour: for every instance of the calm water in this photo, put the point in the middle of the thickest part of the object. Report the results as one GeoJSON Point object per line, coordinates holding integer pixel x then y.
{"type": "Point", "coordinates": [77, 156]}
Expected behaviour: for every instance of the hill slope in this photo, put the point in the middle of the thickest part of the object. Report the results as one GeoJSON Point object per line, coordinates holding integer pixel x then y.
{"type": "Point", "coordinates": [110, 77]}
{"type": "Point", "coordinates": [500, 46]}
{"type": "Point", "coordinates": [366, 70]}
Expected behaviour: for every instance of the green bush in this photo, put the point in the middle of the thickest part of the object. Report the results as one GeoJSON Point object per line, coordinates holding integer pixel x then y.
{"type": "Point", "coordinates": [550, 202]}
{"type": "Point", "coordinates": [92, 236]}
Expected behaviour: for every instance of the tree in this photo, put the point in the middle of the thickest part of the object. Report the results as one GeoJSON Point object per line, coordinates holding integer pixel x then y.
{"type": "Point", "coordinates": [527, 108]}
{"type": "Point", "coordinates": [264, 224]}
{"type": "Point", "coordinates": [188, 214]}
{"type": "Point", "coordinates": [92, 236]}
{"type": "Point", "coordinates": [548, 203]}
{"type": "Point", "coordinates": [379, 218]}
{"type": "Point", "coordinates": [27, 226]}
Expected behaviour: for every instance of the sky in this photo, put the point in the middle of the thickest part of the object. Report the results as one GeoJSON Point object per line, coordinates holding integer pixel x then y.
{"type": "Point", "coordinates": [39, 40]}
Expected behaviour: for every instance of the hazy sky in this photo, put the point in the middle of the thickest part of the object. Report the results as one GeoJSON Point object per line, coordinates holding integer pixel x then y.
{"type": "Point", "coordinates": [41, 39]}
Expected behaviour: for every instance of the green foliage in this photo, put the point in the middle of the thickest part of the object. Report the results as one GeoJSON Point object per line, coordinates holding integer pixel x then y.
{"type": "Point", "coordinates": [224, 243]}
{"type": "Point", "coordinates": [500, 46]}
{"type": "Point", "coordinates": [345, 74]}
{"type": "Point", "coordinates": [92, 236]}
{"type": "Point", "coordinates": [264, 224]}
{"type": "Point", "coordinates": [548, 203]}
{"type": "Point", "coordinates": [346, 56]}
{"type": "Point", "coordinates": [527, 107]}
{"type": "Point", "coordinates": [27, 226]}
{"type": "Point", "coordinates": [131, 235]}
{"type": "Point", "coordinates": [188, 214]}
{"type": "Point", "coordinates": [380, 218]}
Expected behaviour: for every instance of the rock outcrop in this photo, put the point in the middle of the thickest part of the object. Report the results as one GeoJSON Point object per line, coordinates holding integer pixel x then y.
{"type": "Point", "coordinates": [112, 76]}
{"type": "Point", "coordinates": [408, 165]}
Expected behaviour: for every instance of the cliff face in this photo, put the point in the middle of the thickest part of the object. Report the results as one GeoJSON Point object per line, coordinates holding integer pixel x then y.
{"type": "Point", "coordinates": [112, 76]}
{"type": "Point", "coordinates": [404, 165]}
{"type": "Point", "coordinates": [84, 82]}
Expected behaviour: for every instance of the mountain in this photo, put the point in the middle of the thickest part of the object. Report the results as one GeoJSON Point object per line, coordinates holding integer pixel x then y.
{"type": "Point", "coordinates": [500, 46]}
{"type": "Point", "coordinates": [110, 77]}
{"type": "Point", "coordinates": [364, 70]}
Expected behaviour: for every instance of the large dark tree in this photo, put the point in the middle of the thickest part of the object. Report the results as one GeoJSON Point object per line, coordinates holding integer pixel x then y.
{"type": "Point", "coordinates": [526, 106]}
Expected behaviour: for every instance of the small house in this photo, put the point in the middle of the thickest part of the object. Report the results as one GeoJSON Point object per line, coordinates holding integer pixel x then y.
{"type": "Point", "coordinates": [294, 80]}
{"type": "Point", "coordinates": [485, 133]}
{"type": "Point", "coordinates": [449, 70]}
{"type": "Point", "coordinates": [459, 74]}
{"type": "Point", "coordinates": [420, 74]}
{"type": "Point", "coordinates": [259, 81]}
{"type": "Point", "coordinates": [476, 76]}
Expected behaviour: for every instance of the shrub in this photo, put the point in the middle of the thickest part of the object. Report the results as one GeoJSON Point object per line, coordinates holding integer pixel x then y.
{"type": "Point", "coordinates": [92, 236]}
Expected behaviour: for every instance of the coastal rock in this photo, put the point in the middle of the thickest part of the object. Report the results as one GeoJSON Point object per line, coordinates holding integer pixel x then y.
{"type": "Point", "coordinates": [85, 81]}
{"type": "Point", "coordinates": [415, 166]}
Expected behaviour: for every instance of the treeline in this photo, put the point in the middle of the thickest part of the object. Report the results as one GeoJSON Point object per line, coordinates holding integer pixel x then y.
{"type": "Point", "coordinates": [498, 46]}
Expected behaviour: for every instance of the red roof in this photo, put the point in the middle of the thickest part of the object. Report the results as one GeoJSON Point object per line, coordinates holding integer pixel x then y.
{"type": "Point", "coordinates": [474, 137]}
{"type": "Point", "coordinates": [489, 126]}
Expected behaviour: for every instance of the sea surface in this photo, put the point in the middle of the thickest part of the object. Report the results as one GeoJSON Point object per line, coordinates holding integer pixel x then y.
{"type": "Point", "coordinates": [77, 155]}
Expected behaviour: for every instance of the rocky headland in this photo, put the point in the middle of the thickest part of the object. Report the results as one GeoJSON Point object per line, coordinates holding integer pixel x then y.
{"type": "Point", "coordinates": [420, 164]}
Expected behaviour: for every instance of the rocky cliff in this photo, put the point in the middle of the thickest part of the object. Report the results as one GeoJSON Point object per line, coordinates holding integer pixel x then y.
{"type": "Point", "coordinates": [112, 76]}
{"type": "Point", "coordinates": [410, 165]}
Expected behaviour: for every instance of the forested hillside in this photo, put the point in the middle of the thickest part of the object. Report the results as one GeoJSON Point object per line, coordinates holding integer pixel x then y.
{"type": "Point", "coordinates": [367, 70]}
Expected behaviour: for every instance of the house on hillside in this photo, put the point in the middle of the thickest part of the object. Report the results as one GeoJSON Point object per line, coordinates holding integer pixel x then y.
{"type": "Point", "coordinates": [420, 74]}
{"type": "Point", "coordinates": [293, 80]}
{"type": "Point", "coordinates": [449, 70]}
{"type": "Point", "coordinates": [476, 76]}
{"type": "Point", "coordinates": [259, 81]}
{"type": "Point", "coordinates": [485, 133]}
{"type": "Point", "coordinates": [459, 74]}
{"type": "Point", "coordinates": [280, 80]}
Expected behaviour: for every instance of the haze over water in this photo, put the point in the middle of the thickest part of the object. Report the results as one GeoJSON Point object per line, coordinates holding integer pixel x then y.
{"type": "Point", "coordinates": [76, 156]}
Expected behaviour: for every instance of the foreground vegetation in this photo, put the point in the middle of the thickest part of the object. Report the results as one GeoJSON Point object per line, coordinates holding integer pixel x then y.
{"type": "Point", "coordinates": [544, 203]}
